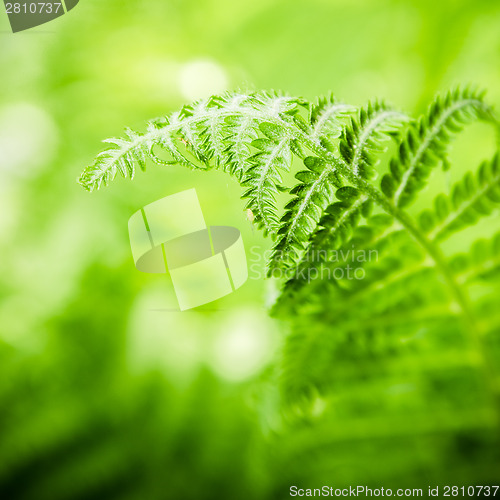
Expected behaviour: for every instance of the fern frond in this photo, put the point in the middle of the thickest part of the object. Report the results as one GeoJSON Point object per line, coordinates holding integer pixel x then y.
{"type": "Point", "coordinates": [198, 132]}
{"type": "Point", "coordinates": [471, 198]}
{"type": "Point", "coordinates": [121, 158]}
{"type": "Point", "coordinates": [183, 147]}
{"type": "Point", "coordinates": [326, 115]}
{"type": "Point", "coordinates": [302, 214]}
{"type": "Point", "coordinates": [263, 176]}
{"type": "Point", "coordinates": [482, 262]}
{"type": "Point", "coordinates": [410, 315]}
{"type": "Point", "coordinates": [360, 139]}
{"type": "Point", "coordinates": [377, 236]}
{"type": "Point", "coordinates": [240, 132]}
{"type": "Point", "coordinates": [427, 141]}
{"type": "Point", "coordinates": [341, 218]}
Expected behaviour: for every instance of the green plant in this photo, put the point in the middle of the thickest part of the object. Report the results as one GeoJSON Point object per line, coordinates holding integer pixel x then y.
{"type": "Point", "coordinates": [410, 347]}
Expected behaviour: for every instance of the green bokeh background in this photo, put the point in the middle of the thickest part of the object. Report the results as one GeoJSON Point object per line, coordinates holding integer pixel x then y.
{"type": "Point", "coordinates": [102, 393]}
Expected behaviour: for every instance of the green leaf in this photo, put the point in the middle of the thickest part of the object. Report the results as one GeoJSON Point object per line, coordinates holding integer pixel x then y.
{"type": "Point", "coordinates": [471, 199]}
{"type": "Point", "coordinates": [426, 142]}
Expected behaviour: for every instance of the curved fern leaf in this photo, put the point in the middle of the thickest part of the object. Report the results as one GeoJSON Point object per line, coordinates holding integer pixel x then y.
{"type": "Point", "coordinates": [199, 131]}
{"type": "Point", "coordinates": [312, 195]}
{"type": "Point", "coordinates": [362, 137]}
{"type": "Point", "coordinates": [482, 262]}
{"type": "Point", "coordinates": [263, 176]}
{"type": "Point", "coordinates": [340, 219]}
{"type": "Point", "coordinates": [471, 198]}
{"type": "Point", "coordinates": [240, 132]}
{"type": "Point", "coordinates": [326, 115]}
{"type": "Point", "coordinates": [426, 142]}
{"type": "Point", "coordinates": [121, 158]}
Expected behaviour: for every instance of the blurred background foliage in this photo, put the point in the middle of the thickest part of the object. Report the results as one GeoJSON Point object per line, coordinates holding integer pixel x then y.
{"type": "Point", "coordinates": [105, 395]}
